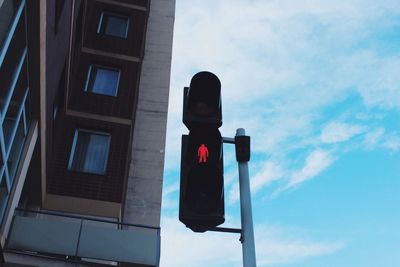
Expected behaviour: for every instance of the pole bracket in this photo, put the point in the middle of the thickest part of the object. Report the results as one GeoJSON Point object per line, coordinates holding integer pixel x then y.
{"type": "Point", "coordinates": [225, 230]}
{"type": "Point", "coordinates": [228, 140]}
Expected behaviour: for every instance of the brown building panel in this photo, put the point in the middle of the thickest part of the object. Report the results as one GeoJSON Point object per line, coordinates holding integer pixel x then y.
{"type": "Point", "coordinates": [120, 105]}
{"type": "Point", "coordinates": [107, 187]}
{"type": "Point", "coordinates": [91, 48]}
{"type": "Point", "coordinates": [143, 3]}
{"type": "Point", "coordinates": [131, 46]}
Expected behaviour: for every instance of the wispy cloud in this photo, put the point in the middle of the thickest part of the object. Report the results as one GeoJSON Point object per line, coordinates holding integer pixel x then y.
{"type": "Point", "coordinates": [169, 202]}
{"type": "Point", "coordinates": [383, 139]}
{"type": "Point", "coordinates": [316, 162]}
{"type": "Point", "coordinates": [282, 252]}
{"type": "Point", "coordinates": [269, 172]}
{"type": "Point", "coordinates": [273, 245]}
{"type": "Point", "coordinates": [392, 142]}
{"type": "Point", "coordinates": [373, 137]}
{"type": "Point", "coordinates": [335, 132]}
{"type": "Point", "coordinates": [265, 175]}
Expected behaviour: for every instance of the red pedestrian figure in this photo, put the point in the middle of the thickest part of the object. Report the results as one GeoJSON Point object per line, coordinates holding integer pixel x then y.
{"type": "Point", "coordinates": [202, 153]}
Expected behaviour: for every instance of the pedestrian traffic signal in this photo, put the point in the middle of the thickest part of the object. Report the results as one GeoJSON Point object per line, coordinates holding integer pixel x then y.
{"type": "Point", "coordinates": [202, 185]}
{"type": "Point", "coordinates": [201, 204]}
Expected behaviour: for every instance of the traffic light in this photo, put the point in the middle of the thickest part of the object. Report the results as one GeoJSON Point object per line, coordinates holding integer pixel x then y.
{"type": "Point", "coordinates": [201, 203]}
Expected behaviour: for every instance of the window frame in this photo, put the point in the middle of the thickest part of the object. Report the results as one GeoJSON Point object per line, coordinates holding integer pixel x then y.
{"type": "Point", "coordinates": [116, 15]}
{"type": "Point", "coordinates": [88, 76]}
{"type": "Point", "coordinates": [73, 147]}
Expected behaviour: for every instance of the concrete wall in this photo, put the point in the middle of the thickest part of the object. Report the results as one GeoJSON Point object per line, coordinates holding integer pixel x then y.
{"type": "Point", "coordinates": [143, 198]}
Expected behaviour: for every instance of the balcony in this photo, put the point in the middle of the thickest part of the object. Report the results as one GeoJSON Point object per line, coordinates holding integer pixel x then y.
{"type": "Point", "coordinates": [14, 94]}
{"type": "Point", "coordinates": [83, 239]}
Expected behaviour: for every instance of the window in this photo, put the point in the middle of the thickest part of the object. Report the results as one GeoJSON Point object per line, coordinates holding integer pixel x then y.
{"type": "Point", "coordinates": [102, 80]}
{"type": "Point", "coordinates": [89, 152]}
{"type": "Point", "coordinates": [113, 25]}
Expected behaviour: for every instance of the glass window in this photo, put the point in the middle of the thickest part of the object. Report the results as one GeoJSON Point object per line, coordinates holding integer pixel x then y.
{"type": "Point", "coordinates": [113, 24]}
{"type": "Point", "coordinates": [102, 80]}
{"type": "Point", "coordinates": [89, 152]}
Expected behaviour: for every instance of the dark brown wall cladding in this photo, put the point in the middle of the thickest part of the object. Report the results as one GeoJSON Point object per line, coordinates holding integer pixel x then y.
{"type": "Point", "coordinates": [58, 29]}
{"type": "Point", "coordinates": [132, 45]}
{"type": "Point", "coordinates": [143, 3]}
{"type": "Point", "coordinates": [106, 187]}
{"type": "Point", "coordinates": [118, 106]}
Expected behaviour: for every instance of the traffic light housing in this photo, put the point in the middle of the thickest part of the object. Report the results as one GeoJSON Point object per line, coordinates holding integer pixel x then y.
{"type": "Point", "coordinates": [202, 102]}
{"type": "Point", "coordinates": [201, 203]}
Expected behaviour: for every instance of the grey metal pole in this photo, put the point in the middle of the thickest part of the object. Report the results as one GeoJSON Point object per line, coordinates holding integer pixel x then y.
{"type": "Point", "coordinates": [248, 247]}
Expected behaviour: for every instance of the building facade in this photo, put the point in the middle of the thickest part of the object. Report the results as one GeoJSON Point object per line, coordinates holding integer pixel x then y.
{"type": "Point", "coordinates": [83, 108]}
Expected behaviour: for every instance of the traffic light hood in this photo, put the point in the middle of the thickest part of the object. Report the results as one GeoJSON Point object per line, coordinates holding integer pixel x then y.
{"type": "Point", "coordinates": [202, 101]}
{"type": "Point", "coordinates": [204, 95]}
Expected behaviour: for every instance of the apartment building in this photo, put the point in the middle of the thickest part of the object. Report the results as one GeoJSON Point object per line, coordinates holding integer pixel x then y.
{"type": "Point", "coordinates": [83, 108]}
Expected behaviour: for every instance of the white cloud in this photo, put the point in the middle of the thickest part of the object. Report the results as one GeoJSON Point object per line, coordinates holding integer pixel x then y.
{"type": "Point", "coordinates": [167, 201]}
{"type": "Point", "coordinates": [316, 162]}
{"type": "Point", "coordinates": [295, 251]}
{"type": "Point", "coordinates": [171, 188]}
{"type": "Point", "coordinates": [231, 176]}
{"type": "Point", "coordinates": [373, 138]}
{"type": "Point", "coordinates": [392, 142]}
{"type": "Point", "coordinates": [181, 247]}
{"type": "Point", "coordinates": [374, 76]}
{"type": "Point", "coordinates": [234, 193]}
{"type": "Point", "coordinates": [265, 175]}
{"type": "Point", "coordinates": [380, 138]}
{"type": "Point", "coordinates": [269, 172]}
{"type": "Point", "coordinates": [335, 132]}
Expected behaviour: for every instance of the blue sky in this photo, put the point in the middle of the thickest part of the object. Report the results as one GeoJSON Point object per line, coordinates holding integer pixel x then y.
{"type": "Point", "coordinates": [316, 84]}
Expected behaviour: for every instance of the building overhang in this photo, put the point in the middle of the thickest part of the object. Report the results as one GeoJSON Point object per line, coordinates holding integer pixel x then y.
{"type": "Point", "coordinates": [82, 206]}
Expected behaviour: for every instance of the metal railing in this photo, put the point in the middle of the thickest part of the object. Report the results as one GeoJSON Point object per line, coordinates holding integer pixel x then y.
{"type": "Point", "coordinates": [14, 113]}
{"type": "Point", "coordinates": [84, 218]}
{"type": "Point", "coordinates": [67, 236]}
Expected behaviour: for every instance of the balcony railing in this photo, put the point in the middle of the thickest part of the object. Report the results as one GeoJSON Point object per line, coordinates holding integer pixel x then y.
{"type": "Point", "coordinates": [14, 99]}
{"type": "Point", "coordinates": [67, 236]}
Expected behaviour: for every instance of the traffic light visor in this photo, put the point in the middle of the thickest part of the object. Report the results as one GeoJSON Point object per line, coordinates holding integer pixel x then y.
{"type": "Point", "coordinates": [204, 95]}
